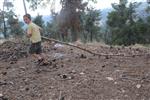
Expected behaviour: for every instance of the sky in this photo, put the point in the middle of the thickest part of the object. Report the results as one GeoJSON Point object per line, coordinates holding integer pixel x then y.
{"type": "Point", "coordinates": [19, 8]}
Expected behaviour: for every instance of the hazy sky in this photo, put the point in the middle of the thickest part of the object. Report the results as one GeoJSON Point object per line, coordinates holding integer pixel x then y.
{"type": "Point", "coordinates": [19, 9]}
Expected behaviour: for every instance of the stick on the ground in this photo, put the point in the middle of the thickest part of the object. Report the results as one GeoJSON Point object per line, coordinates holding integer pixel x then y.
{"type": "Point", "coordinates": [99, 54]}
{"type": "Point", "coordinates": [50, 39]}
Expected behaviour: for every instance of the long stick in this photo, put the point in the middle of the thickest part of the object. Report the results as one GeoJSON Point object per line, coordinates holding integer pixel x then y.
{"type": "Point", "coordinates": [25, 9]}
{"type": "Point", "coordinates": [99, 54]}
{"type": "Point", "coordinates": [50, 39]}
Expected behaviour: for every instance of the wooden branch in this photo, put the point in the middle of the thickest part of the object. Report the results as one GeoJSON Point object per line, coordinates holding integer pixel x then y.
{"type": "Point", "coordinates": [50, 39]}
{"type": "Point", "coordinates": [98, 54]}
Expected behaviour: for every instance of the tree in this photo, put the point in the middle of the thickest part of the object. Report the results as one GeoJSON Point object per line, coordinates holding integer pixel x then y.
{"type": "Point", "coordinates": [14, 26]}
{"type": "Point", "coordinates": [40, 22]}
{"type": "Point", "coordinates": [121, 22]}
{"type": "Point", "coordinates": [1, 22]}
{"type": "Point", "coordinates": [91, 24]}
{"type": "Point", "coordinates": [69, 16]}
{"type": "Point", "coordinates": [52, 28]}
{"type": "Point", "coordinates": [5, 15]}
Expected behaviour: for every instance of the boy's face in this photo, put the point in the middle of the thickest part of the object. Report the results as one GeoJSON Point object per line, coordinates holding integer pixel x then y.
{"type": "Point", "coordinates": [26, 20]}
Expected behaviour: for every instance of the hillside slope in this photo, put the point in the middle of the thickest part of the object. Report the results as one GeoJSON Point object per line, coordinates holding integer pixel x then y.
{"type": "Point", "coordinates": [73, 74]}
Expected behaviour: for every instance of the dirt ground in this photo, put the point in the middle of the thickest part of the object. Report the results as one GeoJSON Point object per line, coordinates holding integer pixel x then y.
{"type": "Point", "coordinates": [73, 74]}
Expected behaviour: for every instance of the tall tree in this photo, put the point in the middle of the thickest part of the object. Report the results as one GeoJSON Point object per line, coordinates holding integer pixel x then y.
{"type": "Point", "coordinates": [14, 26]}
{"type": "Point", "coordinates": [91, 24]}
{"type": "Point", "coordinates": [7, 10]}
{"type": "Point", "coordinates": [69, 16]}
{"type": "Point", "coordinates": [40, 22]}
{"type": "Point", "coordinates": [52, 28]}
{"type": "Point", "coordinates": [121, 21]}
{"type": "Point", "coordinates": [1, 22]}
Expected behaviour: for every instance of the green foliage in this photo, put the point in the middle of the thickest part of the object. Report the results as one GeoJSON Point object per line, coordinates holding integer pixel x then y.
{"type": "Point", "coordinates": [52, 29]}
{"type": "Point", "coordinates": [122, 24]}
{"type": "Point", "coordinates": [68, 19]}
{"type": "Point", "coordinates": [40, 22]}
{"type": "Point", "coordinates": [6, 20]}
{"type": "Point", "coordinates": [1, 22]}
{"type": "Point", "coordinates": [95, 1]}
{"type": "Point", "coordinates": [91, 25]}
{"type": "Point", "coordinates": [147, 9]}
{"type": "Point", "coordinates": [34, 4]}
{"type": "Point", "coordinates": [14, 27]}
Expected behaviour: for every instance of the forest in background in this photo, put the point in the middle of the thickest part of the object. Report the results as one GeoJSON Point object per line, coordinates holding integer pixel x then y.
{"type": "Point", "coordinates": [76, 21]}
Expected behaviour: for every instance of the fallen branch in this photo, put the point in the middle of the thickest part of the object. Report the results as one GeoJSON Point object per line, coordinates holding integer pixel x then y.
{"type": "Point", "coordinates": [98, 54]}
{"type": "Point", "coordinates": [50, 39]}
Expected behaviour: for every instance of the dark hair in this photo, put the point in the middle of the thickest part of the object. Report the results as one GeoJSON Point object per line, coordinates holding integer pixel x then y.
{"type": "Point", "coordinates": [27, 15]}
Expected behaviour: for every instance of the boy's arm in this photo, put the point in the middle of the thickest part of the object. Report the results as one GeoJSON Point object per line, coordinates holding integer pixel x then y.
{"type": "Point", "coordinates": [29, 32]}
{"type": "Point", "coordinates": [40, 28]}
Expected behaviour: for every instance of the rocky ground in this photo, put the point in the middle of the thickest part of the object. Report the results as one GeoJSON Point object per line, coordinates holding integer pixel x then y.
{"type": "Point", "coordinates": [73, 74]}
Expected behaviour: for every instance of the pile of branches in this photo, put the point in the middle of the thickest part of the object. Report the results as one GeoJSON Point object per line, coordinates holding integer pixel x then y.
{"type": "Point", "coordinates": [12, 51]}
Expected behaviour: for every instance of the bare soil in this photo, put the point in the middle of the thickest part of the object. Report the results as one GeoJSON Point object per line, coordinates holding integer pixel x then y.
{"type": "Point", "coordinates": [73, 74]}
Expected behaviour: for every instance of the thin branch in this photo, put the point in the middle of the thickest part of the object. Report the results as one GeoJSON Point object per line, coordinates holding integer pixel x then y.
{"type": "Point", "coordinates": [89, 51]}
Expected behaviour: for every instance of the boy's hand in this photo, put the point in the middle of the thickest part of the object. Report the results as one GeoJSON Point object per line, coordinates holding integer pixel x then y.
{"type": "Point", "coordinates": [29, 35]}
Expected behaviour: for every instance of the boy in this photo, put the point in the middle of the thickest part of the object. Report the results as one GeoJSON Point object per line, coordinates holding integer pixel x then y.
{"type": "Point", "coordinates": [33, 32]}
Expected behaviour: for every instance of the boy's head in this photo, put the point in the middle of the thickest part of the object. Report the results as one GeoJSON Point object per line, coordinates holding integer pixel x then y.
{"type": "Point", "coordinates": [27, 18]}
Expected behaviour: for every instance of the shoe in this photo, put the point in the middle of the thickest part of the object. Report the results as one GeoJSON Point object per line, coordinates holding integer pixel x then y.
{"type": "Point", "coordinates": [43, 63]}
{"type": "Point", "coordinates": [40, 60]}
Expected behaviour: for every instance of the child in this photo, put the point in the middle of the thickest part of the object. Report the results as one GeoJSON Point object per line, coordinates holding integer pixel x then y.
{"type": "Point", "coordinates": [33, 32]}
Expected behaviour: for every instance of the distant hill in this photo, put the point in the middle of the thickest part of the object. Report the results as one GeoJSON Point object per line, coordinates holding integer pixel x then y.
{"type": "Point", "coordinates": [140, 12]}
